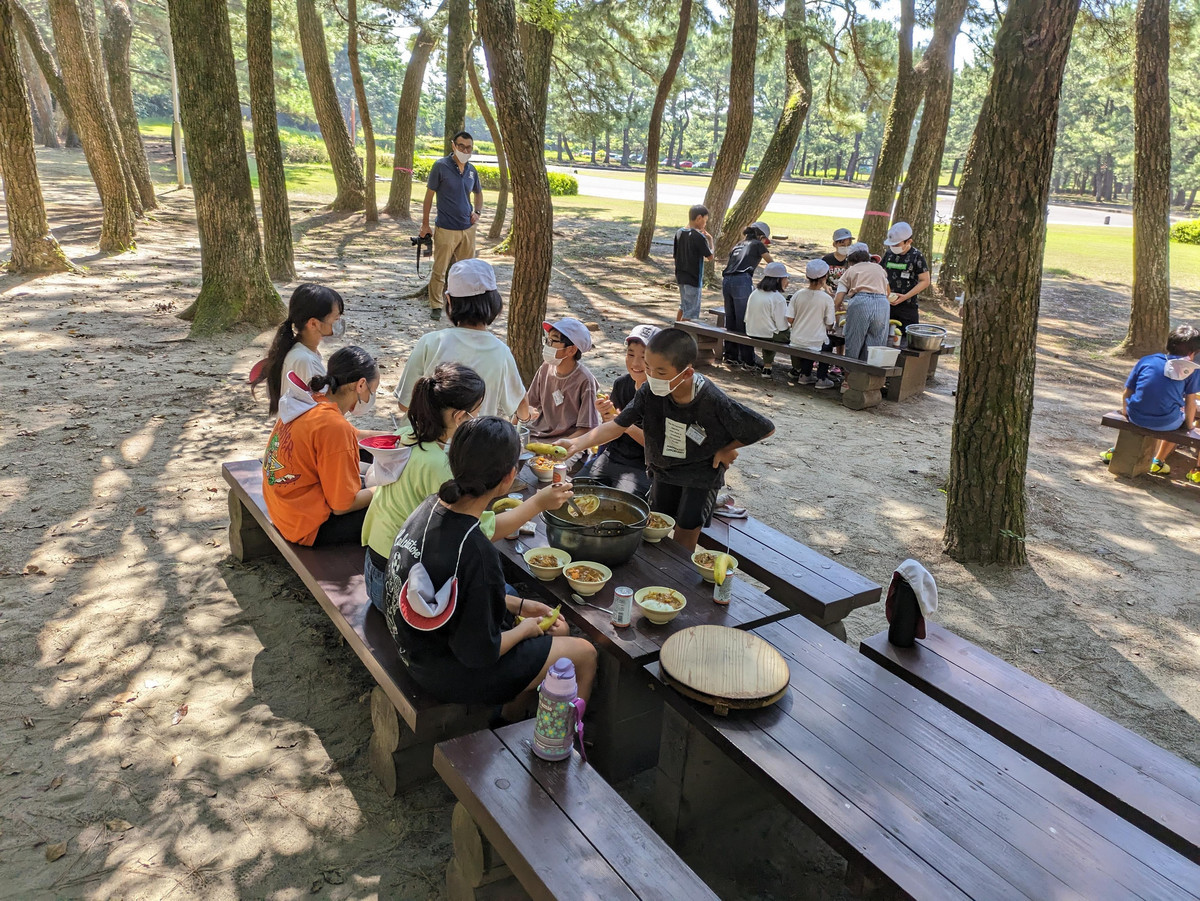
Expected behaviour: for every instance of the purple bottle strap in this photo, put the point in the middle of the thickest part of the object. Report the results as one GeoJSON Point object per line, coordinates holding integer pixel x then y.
{"type": "Point", "coordinates": [580, 706]}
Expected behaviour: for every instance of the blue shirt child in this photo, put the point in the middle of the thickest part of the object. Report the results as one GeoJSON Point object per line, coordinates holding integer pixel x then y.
{"type": "Point", "coordinates": [1157, 399]}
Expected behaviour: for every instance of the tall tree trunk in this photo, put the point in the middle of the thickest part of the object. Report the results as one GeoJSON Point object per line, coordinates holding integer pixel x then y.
{"type": "Point", "coordinates": [533, 213]}
{"type": "Point", "coordinates": [235, 287]}
{"type": "Point", "coordinates": [458, 39]}
{"type": "Point", "coordinates": [775, 158]}
{"type": "Point", "coordinates": [954, 169]}
{"type": "Point", "coordinates": [360, 91]}
{"type": "Point", "coordinates": [100, 142]}
{"type": "Point", "coordinates": [120, 92]}
{"type": "Point", "coordinates": [739, 118]}
{"type": "Point", "coordinates": [497, 225]}
{"type": "Point", "coordinates": [34, 248]}
{"type": "Point", "coordinates": [346, 170]}
{"type": "Point", "coordinates": [852, 165]}
{"type": "Point", "coordinates": [1149, 318]}
{"type": "Point", "coordinates": [917, 201]}
{"type": "Point", "coordinates": [641, 249]}
{"type": "Point", "coordinates": [45, 61]}
{"type": "Point", "coordinates": [268, 155]}
{"type": "Point", "coordinates": [1191, 201]}
{"type": "Point", "coordinates": [407, 108]}
{"type": "Point", "coordinates": [537, 47]}
{"type": "Point", "coordinates": [1008, 175]}
{"type": "Point", "coordinates": [39, 92]}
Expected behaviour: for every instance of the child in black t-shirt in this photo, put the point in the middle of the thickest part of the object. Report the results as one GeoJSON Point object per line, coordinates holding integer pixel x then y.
{"type": "Point", "coordinates": [622, 463]}
{"type": "Point", "coordinates": [692, 429]}
{"type": "Point", "coordinates": [445, 598]}
{"type": "Point", "coordinates": [907, 273]}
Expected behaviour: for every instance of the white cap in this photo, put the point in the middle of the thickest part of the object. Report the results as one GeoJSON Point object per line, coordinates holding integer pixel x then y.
{"type": "Point", "coordinates": [898, 234]}
{"type": "Point", "coordinates": [573, 330]}
{"type": "Point", "coordinates": [775, 269]}
{"type": "Point", "coordinates": [762, 227]}
{"type": "Point", "coordinates": [642, 333]}
{"type": "Point", "coordinates": [856, 247]}
{"type": "Point", "coordinates": [816, 269]}
{"type": "Point", "coordinates": [470, 277]}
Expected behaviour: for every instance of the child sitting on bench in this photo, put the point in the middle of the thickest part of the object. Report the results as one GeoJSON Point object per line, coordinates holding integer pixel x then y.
{"type": "Point", "coordinates": [445, 598]}
{"type": "Point", "coordinates": [314, 312]}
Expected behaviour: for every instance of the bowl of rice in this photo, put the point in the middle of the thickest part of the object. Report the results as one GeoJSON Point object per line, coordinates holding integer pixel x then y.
{"type": "Point", "coordinates": [660, 604]}
{"type": "Point", "coordinates": [546, 563]}
{"type": "Point", "coordinates": [658, 527]}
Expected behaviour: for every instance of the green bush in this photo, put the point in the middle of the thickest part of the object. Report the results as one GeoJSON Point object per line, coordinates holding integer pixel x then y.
{"type": "Point", "coordinates": [421, 167]}
{"type": "Point", "coordinates": [560, 185]}
{"type": "Point", "coordinates": [563, 185]}
{"type": "Point", "coordinates": [297, 149]}
{"type": "Point", "coordinates": [1186, 232]}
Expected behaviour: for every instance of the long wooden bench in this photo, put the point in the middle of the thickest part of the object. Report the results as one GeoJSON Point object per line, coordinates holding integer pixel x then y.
{"type": "Point", "coordinates": [802, 579]}
{"type": "Point", "coordinates": [864, 383]}
{"type": "Point", "coordinates": [1134, 450]}
{"type": "Point", "coordinates": [1135, 778]}
{"type": "Point", "coordinates": [556, 828]}
{"type": "Point", "coordinates": [407, 721]}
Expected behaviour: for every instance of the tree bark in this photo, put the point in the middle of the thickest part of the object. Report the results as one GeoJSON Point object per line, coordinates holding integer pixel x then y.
{"type": "Point", "coordinates": [268, 155]}
{"type": "Point", "coordinates": [409, 104]}
{"type": "Point", "coordinates": [1149, 317]}
{"type": "Point", "coordinates": [949, 282]}
{"type": "Point", "coordinates": [235, 287]}
{"type": "Point", "coordinates": [360, 91]}
{"type": "Point", "coordinates": [34, 248]}
{"type": "Point", "coordinates": [739, 118]}
{"type": "Point", "coordinates": [1008, 177]}
{"type": "Point", "coordinates": [641, 249]}
{"type": "Point", "coordinates": [852, 164]}
{"type": "Point", "coordinates": [501, 211]}
{"type": "Point", "coordinates": [120, 92]}
{"type": "Point", "coordinates": [537, 46]}
{"type": "Point", "coordinates": [347, 172]}
{"type": "Point", "coordinates": [39, 92]}
{"type": "Point", "coordinates": [100, 142]}
{"type": "Point", "coordinates": [533, 213]}
{"type": "Point", "coordinates": [917, 201]}
{"type": "Point", "coordinates": [45, 60]}
{"type": "Point", "coordinates": [458, 39]}
{"type": "Point", "coordinates": [783, 142]}
{"type": "Point", "coordinates": [954, 169]}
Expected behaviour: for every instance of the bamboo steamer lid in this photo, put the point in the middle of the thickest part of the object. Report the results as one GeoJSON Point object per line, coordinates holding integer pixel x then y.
{"type": "Point", "coordinates": [724, 667]}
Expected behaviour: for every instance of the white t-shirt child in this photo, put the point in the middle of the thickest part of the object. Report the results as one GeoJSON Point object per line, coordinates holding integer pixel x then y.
{"type": "Point", "coordinates": [811, 313]}
{"type": "Point", "coordinates": [303, 361]}
{"type": "Point", "coordinates": [479, 349]}
{"type": "Point", "coordinates": [766, 314]}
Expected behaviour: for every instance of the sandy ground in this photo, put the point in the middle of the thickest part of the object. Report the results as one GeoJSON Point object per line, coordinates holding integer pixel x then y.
{"type": "Point", "coordinates": [184, 726]}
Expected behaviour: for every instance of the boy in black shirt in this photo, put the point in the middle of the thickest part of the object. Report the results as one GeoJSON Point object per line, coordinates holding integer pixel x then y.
{"type": "Point", "coordinates": [842, 239]}
{"type": "Point", "coordinates": [692, 430]}
{"type": "Point", "coordinates": [907, 272]}
{"type": "Point", "coordinates": [693, 245]}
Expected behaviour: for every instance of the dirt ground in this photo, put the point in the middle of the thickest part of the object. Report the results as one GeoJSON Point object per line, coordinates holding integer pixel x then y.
{"type": "Point", "coordinates": [180, 725]}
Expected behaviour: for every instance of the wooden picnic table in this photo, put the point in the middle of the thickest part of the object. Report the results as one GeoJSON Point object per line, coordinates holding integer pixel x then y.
{"type": "Point", "coordinates": [911, 794]}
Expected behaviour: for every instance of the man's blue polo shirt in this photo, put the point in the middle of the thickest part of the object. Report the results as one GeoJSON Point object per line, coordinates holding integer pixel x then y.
{"type": "Point", "coordinates": [453, 190]}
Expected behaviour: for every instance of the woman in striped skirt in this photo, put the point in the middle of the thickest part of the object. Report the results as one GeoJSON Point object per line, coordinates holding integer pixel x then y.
{"type": "Point", "coordinates": [864, 290]}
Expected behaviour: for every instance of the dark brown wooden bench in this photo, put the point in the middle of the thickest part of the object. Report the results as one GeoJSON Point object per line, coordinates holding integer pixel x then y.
{"type": "Point", "coordinates": [407, 721]}
{"type": "Point", "coordinates": [798, 577]}
{"type": "Point", "coordinates": [556, 828]}
{"type": "Point", "coordinates": [864, 383]}
{"type": "Point", "coordinates": [1134, 450]}
{"type": "Point", "coordinates": [1135, 778]}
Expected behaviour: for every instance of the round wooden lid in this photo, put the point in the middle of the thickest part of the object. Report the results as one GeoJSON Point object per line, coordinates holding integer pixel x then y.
{"type": "Point", "coordinates": [724, 663]}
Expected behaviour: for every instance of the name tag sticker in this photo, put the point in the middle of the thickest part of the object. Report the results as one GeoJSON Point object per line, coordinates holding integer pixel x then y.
{"type": "Point", "coordinates": [697, 434]}
{"type": "Point", "coordinates": [558, 398]}
{"type": "Point", "coordinates": [675, 439]}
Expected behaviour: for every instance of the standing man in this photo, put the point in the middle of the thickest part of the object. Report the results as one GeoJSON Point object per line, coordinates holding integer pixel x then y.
{"type": "Point", "coordinates": [693, 245]}
{"type": "Point", "coordinates": [907, 273]}
{"type": "Point", "coordinates": [456, 183]}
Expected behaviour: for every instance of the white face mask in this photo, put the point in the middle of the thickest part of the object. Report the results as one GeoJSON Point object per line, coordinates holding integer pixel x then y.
{"type": "Point", "coordinates": [337, 329]}
{"type": "Point", "coordinates": [463, 158]}
{"type": "Point", "coordinates": [549, 354]}
{"type": "Point", "coordinates": [663, 387]}
{"type": "Point", "coordinates": [366, 408]}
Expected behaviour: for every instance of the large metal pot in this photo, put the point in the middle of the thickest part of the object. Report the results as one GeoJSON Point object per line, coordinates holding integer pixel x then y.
{"type": "Point", "coordinates": [925, 337]}
{"type": "Point", "coordinates": [611, 535]}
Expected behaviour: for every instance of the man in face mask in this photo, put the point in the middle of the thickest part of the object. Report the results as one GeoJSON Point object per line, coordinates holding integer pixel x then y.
{"type": "Point", "coordinates": [455, 183]}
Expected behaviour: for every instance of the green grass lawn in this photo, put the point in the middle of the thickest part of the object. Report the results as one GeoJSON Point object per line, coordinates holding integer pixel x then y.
{"type": "Point", "coordinates": [673, 178]}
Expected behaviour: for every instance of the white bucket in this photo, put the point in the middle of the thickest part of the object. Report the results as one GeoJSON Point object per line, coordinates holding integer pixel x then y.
{"type": "Point", "coordinates": [882, 356]}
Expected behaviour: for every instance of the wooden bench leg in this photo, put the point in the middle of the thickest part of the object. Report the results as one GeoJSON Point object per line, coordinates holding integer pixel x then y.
{"type": "Point", "coordinates": [624, 723]}
{"type": "Point", "coordinates": [247, 539]}
{"type": "Point", "coordinates": [396, 757]}
{"type": "Point", "coordinates": [865, 886]}
{"type": "Point", "coordinates": [911, 380]}
{"type": "Point", "coordinates": [1132, 454]}
{"type": "Point", "coordinates": [476, 872]}
{"type": "Point", "coordinates": [837, 630]}
{"type": "Point", "coordinates": [863, 390]}
{"type": "Point", "coordinates": [933, 365]}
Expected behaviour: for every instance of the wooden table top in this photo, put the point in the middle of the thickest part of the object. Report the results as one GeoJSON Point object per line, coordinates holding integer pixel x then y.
{"type": "Point", "coordinates": [665, 563]}
{"type": "Point", "coordinates": [885, 773]}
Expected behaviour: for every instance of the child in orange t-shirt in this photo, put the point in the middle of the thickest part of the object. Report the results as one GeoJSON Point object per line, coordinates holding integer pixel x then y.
{"type": "Point", "coordinates": [311, 481]}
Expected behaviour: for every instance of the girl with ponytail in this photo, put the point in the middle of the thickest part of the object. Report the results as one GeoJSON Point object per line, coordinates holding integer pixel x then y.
{"type": "Point", "coordinates": [311, 481]}
{"type": "Point", "coordinates": [445, 598]}
{"type": "Point", "coordinates": [314, 312]}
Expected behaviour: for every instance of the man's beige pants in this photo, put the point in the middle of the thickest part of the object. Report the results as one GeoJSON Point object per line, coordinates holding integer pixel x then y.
{"type": "Point", "coordinates": [449, 246]}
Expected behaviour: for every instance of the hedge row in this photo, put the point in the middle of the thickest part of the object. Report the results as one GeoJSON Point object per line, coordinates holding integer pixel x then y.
{"type": "Point", "coordinates": [1186, 232]}
{"type": "Point", "coordinates": [560, 185]}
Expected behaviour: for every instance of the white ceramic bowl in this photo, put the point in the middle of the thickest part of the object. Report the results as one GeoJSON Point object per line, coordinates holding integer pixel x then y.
{"type": "Point", "coordinates": [587, 589]}
{"type": "Point", "coordinates": [707, 571]}
{"type": "Point", "coordinates": [547, 573]}
{"type": "Point", "coordinates": [654, 614]}
{"type": "Point", "coordinates": [654, 535]}
{"type": "Point", "coordinates": [543, 475]}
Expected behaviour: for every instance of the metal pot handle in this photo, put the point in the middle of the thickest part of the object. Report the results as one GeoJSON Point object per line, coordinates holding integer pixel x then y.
{"type": "Point", "coordinates": [609, 527]}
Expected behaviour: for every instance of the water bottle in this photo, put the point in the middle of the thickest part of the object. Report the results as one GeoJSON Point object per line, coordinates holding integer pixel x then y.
{"type": "Point", "coordinates": [560, 713]}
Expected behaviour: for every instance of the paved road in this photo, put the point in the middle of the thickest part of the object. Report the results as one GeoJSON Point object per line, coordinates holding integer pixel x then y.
{"type": "Point", "coordinates": [848, 208]}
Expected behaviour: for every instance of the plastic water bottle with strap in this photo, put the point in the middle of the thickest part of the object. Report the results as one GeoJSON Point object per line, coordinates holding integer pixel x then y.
{"type": "Point", "coordinates": [560, 713]}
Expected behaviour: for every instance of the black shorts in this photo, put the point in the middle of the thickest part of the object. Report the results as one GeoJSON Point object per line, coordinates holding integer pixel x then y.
{"type": "Point", "coordinates": [448, 680]}
{"type": "Point", "coordinates": [692, 508]}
